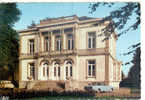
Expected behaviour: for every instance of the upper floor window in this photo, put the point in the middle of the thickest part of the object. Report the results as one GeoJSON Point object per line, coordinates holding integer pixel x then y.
{"type": "Point", "coordinates": [70, 42]}
{"type": "Point", "coordinates": [92, 40]}
{"type": "Point", "coordinates": [31, 46]}
{"type": "Point", "coordinates": [91, 68]}
{"type": "Point", "coordinates": [47, 44]}
{"type": "Point", "coordinates": [58, 43]}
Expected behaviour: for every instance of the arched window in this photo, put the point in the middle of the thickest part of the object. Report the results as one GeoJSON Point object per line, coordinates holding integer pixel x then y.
{"type": "Point", "coordinates": [57, 70]}
{"type": "Point", "coordinates": [45, 69]}
{"type": "Point", "coordinates": [48, 71]}
{"type": "Point", "coordinates": [69, 69]}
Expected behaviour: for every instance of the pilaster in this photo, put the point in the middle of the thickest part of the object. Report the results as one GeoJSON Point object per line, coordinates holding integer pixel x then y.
{"type": "Point", "coordinates": [63, 39]}
{"type": "Point", "coordinates": [107, 63]}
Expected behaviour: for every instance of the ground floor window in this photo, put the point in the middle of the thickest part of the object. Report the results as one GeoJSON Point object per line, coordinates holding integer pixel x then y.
{"type": "Point", "coordinates": [32, 70]}
{"type": "Point", "coordinates": [57, 70]}
{"type": "Point", "coordinates": [66, 71]}
{"type": "Point", "coordinates": [45, 70]}
{"type": "Point", "coordinates": [54, 71]}
{"type": "Point", "coordinates": [91, 66]}
{"type": "Point", "coordinates": [48, 71]}
{"type": "Point", "coordinates": [69, 69]}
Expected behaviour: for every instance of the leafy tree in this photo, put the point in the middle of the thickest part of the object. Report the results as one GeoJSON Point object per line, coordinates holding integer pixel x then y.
{"type": "Point", "coordinates": [122, 75]}
{"type": "Point", "coordinates": [119, 17]}
{"type": "Point", "coordinates": [134, 73]}
{"type": "Point", "coordinates": [33, 24]}
{"type": "Point", "coordinates": [9, 14]}
{"type": "Point", "coordinates": [133, 79]}
{"type": "Point", "coordinates": [9, 49]}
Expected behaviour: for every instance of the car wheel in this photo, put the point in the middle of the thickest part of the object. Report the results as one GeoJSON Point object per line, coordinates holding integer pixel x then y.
{"type": "Point", "coordinates": [99, 90]}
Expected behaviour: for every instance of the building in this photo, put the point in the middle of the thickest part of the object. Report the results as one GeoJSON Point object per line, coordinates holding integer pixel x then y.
{"type": "Point", "coordinates": [67, 48]}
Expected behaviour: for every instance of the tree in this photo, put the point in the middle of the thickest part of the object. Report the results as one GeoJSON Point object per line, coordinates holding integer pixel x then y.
{"type": "Point", "coordinates": [134, 73]}
{"type": "Point", "coordinates": [119, 17]}
{"type": "Point", "coordinates": [9, 14]}
{"type": "Point", "coordinates": [32, 24]}
{"type": "Point", "coordinates": [133, 79]}
{"type": "Point", "coordinates": [9, 48]}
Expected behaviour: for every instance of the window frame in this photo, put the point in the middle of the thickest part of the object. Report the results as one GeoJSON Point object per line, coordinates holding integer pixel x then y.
{"type": "Point", "coordinates": [29, 70]}
{"type": "Point", "coordinates": [93, 46]}
{"type": "Point", "coordinates": [92, 71]}
{"type": "Point", "coordinates": [71, 46]}
{"type": "Point", "coordinates": [47, 49]}
{"type": "Point", "coordinates": [29, 44]}
{"type": "Point", "coordinates": [43, 71]}
{"type": "Point", "coordinates": [47, 71]}
{"type": "Point", "coordinates": [57, 70]}
{"type": "Point", "coordinates": [60, 39]}
{"type": "Point", "coordinates": [69, 69]}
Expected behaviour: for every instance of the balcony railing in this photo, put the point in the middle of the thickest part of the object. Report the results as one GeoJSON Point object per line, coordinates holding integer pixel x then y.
{"type": "Point", "coordinates": [28, 55]}
{"type": "Point", "coordinates": [66, 52]}
{"type": "Point", "coordinates": [49, 53]}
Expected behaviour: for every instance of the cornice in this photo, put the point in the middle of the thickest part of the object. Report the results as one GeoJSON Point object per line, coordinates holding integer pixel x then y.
{"type": "Point", "coordinates": [39, 26]}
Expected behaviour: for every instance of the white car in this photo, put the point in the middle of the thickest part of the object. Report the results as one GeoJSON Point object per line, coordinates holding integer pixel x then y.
{"type": "Point", "coordinates": [99, 88]}
{"type": "Point", "coordinates": [6, 84]}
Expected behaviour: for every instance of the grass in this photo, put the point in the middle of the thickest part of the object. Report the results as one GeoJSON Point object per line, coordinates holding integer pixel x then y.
{"type": "Point", "coordinates": [81, 98]}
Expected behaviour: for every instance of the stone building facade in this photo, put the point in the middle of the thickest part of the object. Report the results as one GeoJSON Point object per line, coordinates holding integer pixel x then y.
{"type": "Point", "coordinates": [67, 48]}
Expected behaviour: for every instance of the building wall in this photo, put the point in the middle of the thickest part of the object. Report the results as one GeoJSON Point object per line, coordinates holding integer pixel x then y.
{"type": "Point", "coordinates": [81, 38]}
{"type": "Point", "coordinates": [112, 45]}
{"type": "Point", "coordinates": [24, 68]}
{"type": "Point", "coordinates": [82, 35]}
{"type": "Point", "coordinates": [24, 43]}
{"type": "Point", "coordinates": [80, 61]}
{"type": "Point", "coordinates": [114, 72]}
{"type": "Point", "coordinates": [100, 68]}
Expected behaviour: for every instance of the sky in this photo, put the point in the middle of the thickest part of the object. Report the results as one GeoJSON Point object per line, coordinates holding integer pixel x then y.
{"type": "Point", "coordinates": [39, 11]}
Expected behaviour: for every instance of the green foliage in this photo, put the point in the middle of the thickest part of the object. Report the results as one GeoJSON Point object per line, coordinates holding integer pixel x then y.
{"type": "Point", "coordinates": [9, 14]}
{"type": "Point", "coordinates": [133, 79]}
{"type": "Point", "coordinates": [119, 17]}
{"type": "Point", "coordinates": [8, 48]}
{"type": "Point", "coordinates": [134, 72]}
{"type": "Point", "coordinates": [33, 24]}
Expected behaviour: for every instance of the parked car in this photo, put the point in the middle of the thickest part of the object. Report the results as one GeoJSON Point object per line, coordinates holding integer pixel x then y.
{"type": "Point", "coordinates": [99, 88]}
{"type": "Point", "coordinates": [6, 84]}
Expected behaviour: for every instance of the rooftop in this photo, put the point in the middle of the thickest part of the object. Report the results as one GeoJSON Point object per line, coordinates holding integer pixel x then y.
{"type": "Point", "coordinates": [60, 20]}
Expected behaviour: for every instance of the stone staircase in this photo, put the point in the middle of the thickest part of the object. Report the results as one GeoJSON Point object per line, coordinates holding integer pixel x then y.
{"type": "Point", "coordinates": [48, 85]}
